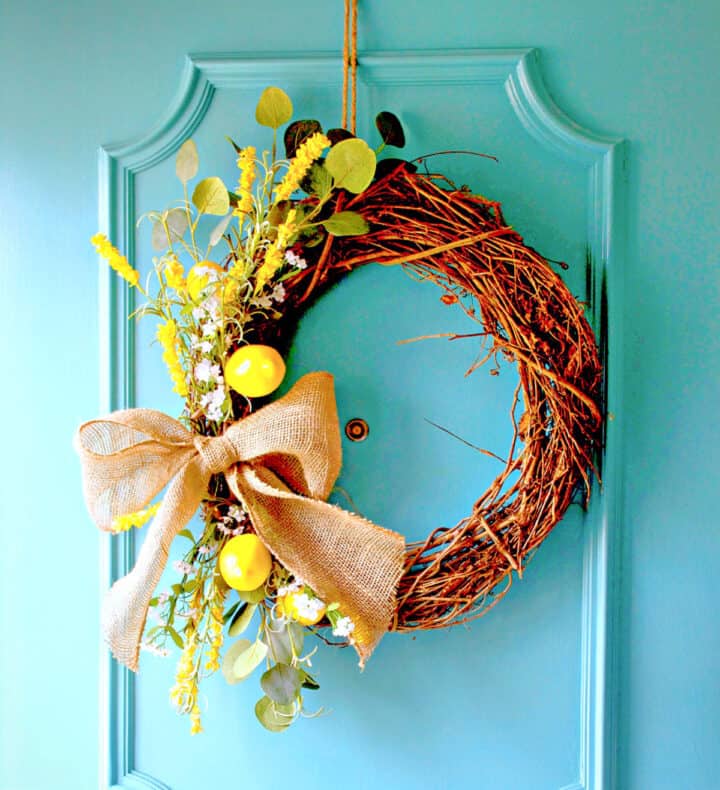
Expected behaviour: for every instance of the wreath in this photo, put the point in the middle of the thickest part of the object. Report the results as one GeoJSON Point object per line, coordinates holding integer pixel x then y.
{"type": "Point", "coordinates": [271, 551]}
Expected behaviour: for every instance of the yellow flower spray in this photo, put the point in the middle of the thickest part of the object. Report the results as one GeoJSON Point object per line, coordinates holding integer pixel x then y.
{"type": "Point", "coordinates": [275, 254]}
{"type": "Point", "coordinates": [167, 335]}
{"type": "Point", "coordinates": [246, 164]}
{"type": "Point", "coordinates": [115, 259]}
{"type": "Point", "coordinates": [305, 155]}
{"type": "Point", "coordinates": [137, 519]}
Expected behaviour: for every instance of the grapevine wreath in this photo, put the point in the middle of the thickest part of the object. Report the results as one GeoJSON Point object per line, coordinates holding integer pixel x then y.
{"type": "Point", "coordinates": [271, 551]}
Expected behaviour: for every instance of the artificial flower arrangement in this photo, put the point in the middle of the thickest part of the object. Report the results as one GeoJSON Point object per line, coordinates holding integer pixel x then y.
{"type": "Point", "coordinates": [272, 553]}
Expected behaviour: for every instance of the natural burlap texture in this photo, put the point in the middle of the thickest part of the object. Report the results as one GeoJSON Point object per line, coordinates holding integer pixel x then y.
{"type": "Point", "coordinates": [285, 459]}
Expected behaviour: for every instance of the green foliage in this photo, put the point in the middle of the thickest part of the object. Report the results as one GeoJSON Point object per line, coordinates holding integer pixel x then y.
{"type": "Point", "coordinates": [274, 108]}
{"type": "Point", "coordinates": [282, 683]}
{"type": "Point", "coordinates": [242, 619]}
{"type": "Point", "coordinates": [346, 223]}
{"type": "Point", "coordinates": [211, 197]}
{"type": "Point", "coordinates": [297, 133]}
{"type": "Point", "coordinates": [352, 164]}
{"type": "Point", "coordinates": [187, 161]}
{"type": "Point", "coordinates": [272, 716]}
{"type": "Point", "coordinates": [390, 128]}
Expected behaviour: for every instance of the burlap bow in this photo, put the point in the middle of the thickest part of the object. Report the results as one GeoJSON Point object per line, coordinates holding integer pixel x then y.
{"type": "Point", "coordinates": [281, 462]}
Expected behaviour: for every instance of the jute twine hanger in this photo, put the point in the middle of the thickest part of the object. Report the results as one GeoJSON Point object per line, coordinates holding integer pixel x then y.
{"type": "Point", "coordinates": [350, 64]}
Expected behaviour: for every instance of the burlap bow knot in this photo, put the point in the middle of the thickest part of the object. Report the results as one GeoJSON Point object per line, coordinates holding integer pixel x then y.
{"type": "Point", "coordinates": [280, 462]}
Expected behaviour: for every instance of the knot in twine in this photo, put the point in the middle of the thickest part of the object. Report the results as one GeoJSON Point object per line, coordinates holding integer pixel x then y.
{"type": "Point", "coordinates": [281, 463]}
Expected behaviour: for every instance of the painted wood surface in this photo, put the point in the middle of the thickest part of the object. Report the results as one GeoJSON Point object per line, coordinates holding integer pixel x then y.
{"type": "Point", "coordinates": [602, 658]}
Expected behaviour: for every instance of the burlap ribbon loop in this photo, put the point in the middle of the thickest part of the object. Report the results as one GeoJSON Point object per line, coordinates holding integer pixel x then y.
{"type": "Point", "coordinates": [281, 462]}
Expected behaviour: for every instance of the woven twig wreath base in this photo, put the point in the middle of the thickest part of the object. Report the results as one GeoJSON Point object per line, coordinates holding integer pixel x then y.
{"type": "Point", "coordinates": [462, 243]}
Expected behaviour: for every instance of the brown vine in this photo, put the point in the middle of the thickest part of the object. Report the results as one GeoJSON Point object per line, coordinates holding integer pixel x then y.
{"type": "Point", "coordinates": [462, 243]}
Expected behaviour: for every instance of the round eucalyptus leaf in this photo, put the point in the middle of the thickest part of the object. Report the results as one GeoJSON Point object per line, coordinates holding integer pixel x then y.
{"type": "Point", "coordinates": [231, 654]}
{"type": "Point", "coordinates": [211, 197]}
{"type": "Point", "coordinates": [187, 161]}
{"type": "Point", "coordinates": [282, 683]}
{"type": "Point", "coordinates": [352, 164]}
{"type": "Point", "coordinates": [273, 717]}
{"type": "Point", "coordinates": [274, 108]}
{"type": "Point", "coordinates": [390, 129]}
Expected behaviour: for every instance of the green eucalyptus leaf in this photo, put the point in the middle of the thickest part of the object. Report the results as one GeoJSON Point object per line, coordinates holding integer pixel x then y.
{"type": "Point", "coordinates": [175, 636]}
{"type": "Point", "coordinates": [346, 223]}
{"type": "Point", "coordinates": [252, 596]}
{"type": "Point", "coordinates": [390, 128]}
{"type": "Point", "coordinates": [249, 659]}
{"type": "Point", "coordinates": [282, 683]}
{"type": "Point", "coordinates": [185, 533]}
{"type": "Point", "coordinates": [274, 717]}
{"type": "Point", "coordinates": [187, 161]}
{"type": "Point", "coordinates": [219, 229]}
{"type": "Point", "coordinates": [274, 108]}
{"type": "Point", "coordinates": [211, 197]}
{"type": "Point", "coordinates": [242, 619]}
{"type": "Point", "coordinates": [177, 222]}
{"type": "Point", "coordinates": [190, 585]}
{"type": "Point", "coordinates": [296, 134]}
{"type": "Point", "coordinates": [231, 655]}
{"type": "Point", "coordinates": [159, 239]}
{"type": "Point", "coordinates": [320, 180]}
{"type": "Point", "coordinates": [352, 164]}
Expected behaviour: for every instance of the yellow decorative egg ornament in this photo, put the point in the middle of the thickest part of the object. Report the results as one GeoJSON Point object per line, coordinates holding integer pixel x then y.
{"type": "Point", "coordinates": [255, 370]}
{"type": "Point", "coordinates": [244, 562]}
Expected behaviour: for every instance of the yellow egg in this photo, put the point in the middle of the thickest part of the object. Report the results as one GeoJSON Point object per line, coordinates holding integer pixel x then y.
{"type": "Point", "coordinates": [294, 606]}
{"type": "Point", "coordinates": [255, 371]}
{"type": "Point", "coordinates": [244, 562]}
{"type": "Point", "coordinates": [199, 277]}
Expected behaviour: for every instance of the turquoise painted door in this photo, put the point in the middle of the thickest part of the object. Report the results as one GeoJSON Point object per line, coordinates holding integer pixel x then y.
{"type": "Point", "coordinates": [559, 185]}
{"type": "Point", "coordinates": [597, 671]}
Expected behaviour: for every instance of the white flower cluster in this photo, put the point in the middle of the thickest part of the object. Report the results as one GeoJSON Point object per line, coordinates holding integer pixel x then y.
{"type": "Point", "coordinates": [344, 627]}
{"type": "Point", "coordinates": [291, 587]}
{"type": "Point", "coordinates": [183, 567]}
{"type": "Point", "coordinates": [232, 523]}
{"type": "Point", "coordinates": [208, 316]}
{"type": "Point", "coordinates": [295, 260]}
{"type": "Point", "coordinates": [308, 606]}
{"type": "Point", "coordinates": [266, 302]}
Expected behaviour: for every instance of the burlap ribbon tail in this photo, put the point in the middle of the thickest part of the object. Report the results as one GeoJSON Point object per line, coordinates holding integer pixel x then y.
{"type": "Point", "coordinates": [281, 462]}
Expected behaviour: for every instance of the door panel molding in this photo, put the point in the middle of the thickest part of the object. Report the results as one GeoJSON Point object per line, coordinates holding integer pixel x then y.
{"type": "Point", "coordinates": [518, 72]}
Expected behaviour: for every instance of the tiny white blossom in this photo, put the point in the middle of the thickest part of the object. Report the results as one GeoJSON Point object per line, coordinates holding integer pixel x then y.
{"type": "Point", "coordinates": [265, 302]}
{"type": "Point", "coordinates": [344, 627]}
{"type": "Point", "coordinates": [210, 328]}
{"type": "Point", "coordinates": [295, 260]}
{"type": "Point", "coordinates": [204, 550]}
{"type": "Point", "coordinates": [206, 371]}
{"type": "Point", "coordinates": [199, 313]}
{"type": "Point", "coordinates": [163, 598]}
{"type": "Point", "coordinates": [182, 567]}
{"type": "Point", "coordinates": [236, 513]}
{"type": "Point", "coordinates": [200, 344]}
{"type": "Point", "coordinates": [289, 588]}
{"type": "Point", "coordinates": [278, 293]}
{"type": "Point", "coordinates": [307, 606]}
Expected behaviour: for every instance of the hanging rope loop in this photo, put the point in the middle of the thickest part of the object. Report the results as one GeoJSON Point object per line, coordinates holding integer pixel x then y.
{"type": "Point", "coordinates": [350, 64]}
